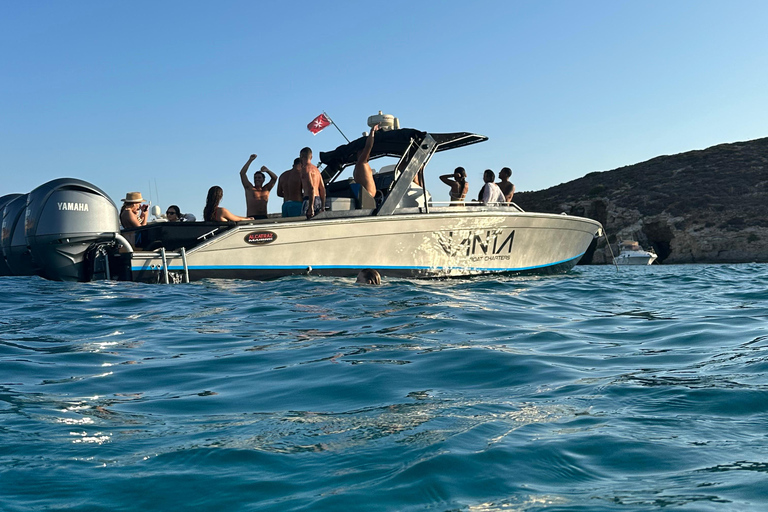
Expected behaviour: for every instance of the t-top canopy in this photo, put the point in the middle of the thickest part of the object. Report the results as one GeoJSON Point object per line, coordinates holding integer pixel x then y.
{"type": "Point", "coordinates": [391, 143]}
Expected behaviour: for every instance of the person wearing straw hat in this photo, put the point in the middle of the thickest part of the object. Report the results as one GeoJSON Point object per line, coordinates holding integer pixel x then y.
{"type": "Point", "coordinates": [134, 211]}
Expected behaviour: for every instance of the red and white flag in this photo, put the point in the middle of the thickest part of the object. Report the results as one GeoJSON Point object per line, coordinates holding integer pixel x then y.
{"type": "Point", "coordinates": [319, 123]}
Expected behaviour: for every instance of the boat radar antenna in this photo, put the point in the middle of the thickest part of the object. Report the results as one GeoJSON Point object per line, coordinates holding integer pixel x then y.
{"type": "Point", "coordinates": [386, 122]}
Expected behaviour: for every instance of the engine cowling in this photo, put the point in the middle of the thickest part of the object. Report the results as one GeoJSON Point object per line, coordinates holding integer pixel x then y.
{"type": "Point", "coordinates": [66, 219]}
{"type": "Point", "coordinates": [13, 245]}
{"type": "Point", "coordinates": [5, 270]}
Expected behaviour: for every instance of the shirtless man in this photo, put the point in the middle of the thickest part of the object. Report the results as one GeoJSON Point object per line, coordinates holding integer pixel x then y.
{"type": "Point", "coordinates": [507, 188]}
{"type": "Point", "coordinates": [363, 173]}
{"type": "Point", "coordinates": [312, 185]}
{"type": "Point", "coordinates": [289, 188]}
{"type": "Point", "coordinates": [256, 194]}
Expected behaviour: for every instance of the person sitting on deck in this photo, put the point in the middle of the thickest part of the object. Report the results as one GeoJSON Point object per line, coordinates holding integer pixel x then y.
{"type": "Point", "coordinates": [312, 185]}
{"type": "Point", "coordinates": [507, 188]}
{"type": "Point", "coordinates": [213, 212]}
{"type": "Point", "coordinates": [289, 188]}
{"type": "Point", "coordinates": [458, 184]}
{"type": "Point", "coordinates": [257, 194]}
{"type": "Point", "coordinates": [133, 213]}
{"type": "Point", "coordinates": [363, 173]}
{"type": "Point", "coordinates": [490, 193]}
{"type": "Point", "coordinates": [173, 214]}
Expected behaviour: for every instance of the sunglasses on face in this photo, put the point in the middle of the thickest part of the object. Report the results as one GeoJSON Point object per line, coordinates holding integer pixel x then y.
{"type": "Point", "coordinates": [170, 213]}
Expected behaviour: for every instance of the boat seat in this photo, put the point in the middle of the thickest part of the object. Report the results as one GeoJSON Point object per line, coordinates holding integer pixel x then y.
{"type": "Point", "coordinates": [363, 199]}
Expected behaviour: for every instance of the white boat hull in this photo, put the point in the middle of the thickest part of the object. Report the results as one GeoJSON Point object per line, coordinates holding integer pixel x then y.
{"type": "Point", "coordinates": [635, 258]}
{"type": "Point", "coordinates": [446, 243]}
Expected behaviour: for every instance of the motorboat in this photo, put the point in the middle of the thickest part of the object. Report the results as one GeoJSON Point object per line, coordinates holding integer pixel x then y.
{"type": "Point", "coordinates": [68, 230]}
{"type": "Point", "coordinates": [631, 253]}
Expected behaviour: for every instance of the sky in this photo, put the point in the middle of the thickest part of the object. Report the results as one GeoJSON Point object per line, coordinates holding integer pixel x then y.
{"type": "Point", "coordinates": [171, 97]}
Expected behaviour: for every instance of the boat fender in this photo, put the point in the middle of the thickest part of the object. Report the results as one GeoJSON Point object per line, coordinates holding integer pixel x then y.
{"type": "Point", "coordinates": [309, 269]}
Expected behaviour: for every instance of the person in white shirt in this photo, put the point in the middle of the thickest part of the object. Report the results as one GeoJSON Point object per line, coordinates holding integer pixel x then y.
{"type": "Point", "coordinates": [490, 193]}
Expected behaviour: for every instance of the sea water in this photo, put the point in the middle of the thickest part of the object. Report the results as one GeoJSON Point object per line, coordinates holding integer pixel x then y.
{"type": "Point", "coordinates": [603, 389]}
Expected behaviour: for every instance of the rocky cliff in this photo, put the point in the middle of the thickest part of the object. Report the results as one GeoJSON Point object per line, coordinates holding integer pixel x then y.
{"type": "Point", "coordinates": [707, 206]}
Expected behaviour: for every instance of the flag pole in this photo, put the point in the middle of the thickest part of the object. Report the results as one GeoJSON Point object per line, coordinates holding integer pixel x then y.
{"type": "Point", "coordinates": [334, 124]}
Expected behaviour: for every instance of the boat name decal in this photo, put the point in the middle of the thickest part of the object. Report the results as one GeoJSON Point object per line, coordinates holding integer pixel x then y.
{"type": "Point", "coordinates": [486, 245]}
{"type": "Point", "coordinates": [73, 207]}
{"type": "Point", "coordinates": [260, 237]}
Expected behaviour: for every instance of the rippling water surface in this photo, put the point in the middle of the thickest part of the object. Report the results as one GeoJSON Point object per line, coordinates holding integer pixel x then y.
{"type": "Point", "coordinates": [597, 390]}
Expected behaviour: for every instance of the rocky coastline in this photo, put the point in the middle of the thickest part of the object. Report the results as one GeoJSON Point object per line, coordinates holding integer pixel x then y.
{"type": "Point", "coordinates": [704, 206]}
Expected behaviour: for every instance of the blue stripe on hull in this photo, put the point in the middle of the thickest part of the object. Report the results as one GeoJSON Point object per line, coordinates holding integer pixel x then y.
{"type": "Point", "coordinates": [358, 267]}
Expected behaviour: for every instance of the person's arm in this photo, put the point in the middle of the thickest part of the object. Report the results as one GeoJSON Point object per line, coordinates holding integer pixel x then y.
{"type": "Point", "coordinates": [280, 190]}
{"type": "Point", "coordinates": [129, 219]}
{"type": "Point", "coordinates": [447, 179]}
{"type": "Point", "coordinates": [229, 216]}
{"type": "Point", "coordinates": [486, 193]}
{"type": "Point", "coordinates": [322, 192]}
{"type": "Point", "coordinates": [366, 153]}
{"type": "Point", "coordinates": [243, 177]}
{"type": "Point", "coordinates": [272, 178]}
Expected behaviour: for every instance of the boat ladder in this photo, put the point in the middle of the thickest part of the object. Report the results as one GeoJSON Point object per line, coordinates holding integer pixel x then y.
{"type": "Point", "coordinates": [164, 256]}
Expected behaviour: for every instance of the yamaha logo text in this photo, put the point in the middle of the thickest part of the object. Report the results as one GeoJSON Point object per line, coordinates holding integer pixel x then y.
{"type": "Point", "coordinates": [73, 207]}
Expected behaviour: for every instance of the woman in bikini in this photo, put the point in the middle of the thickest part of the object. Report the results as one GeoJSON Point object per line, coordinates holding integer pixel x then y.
{"type": "Point", "coordinates": [215, 213]}
{"type": "Point", "coordinates": [458, 184]}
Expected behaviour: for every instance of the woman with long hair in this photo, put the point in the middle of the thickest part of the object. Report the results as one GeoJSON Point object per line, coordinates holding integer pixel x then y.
{"type": "Point", "coordinates": [458, 184]}
{"type": "Point", "coordinates": [215, 213]}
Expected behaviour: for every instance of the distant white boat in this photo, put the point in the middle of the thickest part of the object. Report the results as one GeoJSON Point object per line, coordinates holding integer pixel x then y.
{"type": "Point", "coordinates": [631, 253]}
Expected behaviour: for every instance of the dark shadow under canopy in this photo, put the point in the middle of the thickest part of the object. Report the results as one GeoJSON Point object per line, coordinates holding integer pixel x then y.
{"type": "Point", "coordinates": [391, 143]}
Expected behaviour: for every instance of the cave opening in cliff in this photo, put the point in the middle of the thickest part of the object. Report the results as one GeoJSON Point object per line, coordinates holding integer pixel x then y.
{"type": "Point", "coordinates": [661, 249]}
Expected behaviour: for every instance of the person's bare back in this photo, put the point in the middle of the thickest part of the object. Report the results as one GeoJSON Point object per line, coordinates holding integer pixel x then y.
{"type": "Point", "coordinates": [363, 173]}
{"type": "Point", "coordinates": [311, 184]}
{"type": "Point", "coordinates": [507, 187]}
{"type": "Point", "coordinates": [289, 184]}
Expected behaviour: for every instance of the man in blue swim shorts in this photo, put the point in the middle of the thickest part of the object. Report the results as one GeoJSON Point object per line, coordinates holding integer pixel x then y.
{"type": "Point", "coordinates": [289, 188]}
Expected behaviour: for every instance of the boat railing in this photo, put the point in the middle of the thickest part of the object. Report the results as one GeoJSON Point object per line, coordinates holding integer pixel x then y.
{"type": "Point", "coordinates": [422, 152]}
{"type": "Point", "coordinates": [209, 233]}
{"type": "Point", "coordinates": [475, 204]}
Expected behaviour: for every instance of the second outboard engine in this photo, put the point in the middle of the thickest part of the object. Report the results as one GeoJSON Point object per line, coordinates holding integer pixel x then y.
{"type": "Point", "coordinates": [14, 247]}
{"type": "Point", "coordinates": [66, 220]}
{"type": "Point", "coordinates": [5, 270]}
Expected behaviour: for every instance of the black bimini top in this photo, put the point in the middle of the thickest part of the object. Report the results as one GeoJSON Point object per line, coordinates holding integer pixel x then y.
{"type": "Point", "coordinates": [392, 143]}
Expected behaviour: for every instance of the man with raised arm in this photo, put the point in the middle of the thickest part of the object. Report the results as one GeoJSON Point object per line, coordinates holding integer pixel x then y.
{"type": "Point", "coordinates": [312, 185]}
{"type": "Point", "coordinates": [289, 188]}
{"type": "Point", "coordinates": [363, 174]}
{"type": "Point", "coordinates": [256, 194]}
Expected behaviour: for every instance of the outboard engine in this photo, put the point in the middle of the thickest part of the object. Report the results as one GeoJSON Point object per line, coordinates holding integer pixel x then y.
{"type": "Point", "coordinates": [67, 220]}
{"type": "Point", "coordinates": [5, 270]}
{"type": "Point", "coordinates": [13, 245]}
